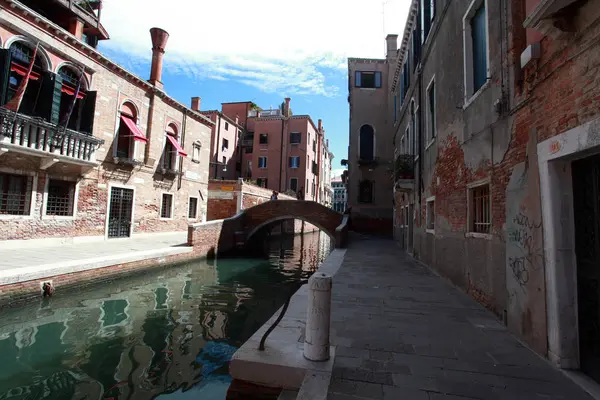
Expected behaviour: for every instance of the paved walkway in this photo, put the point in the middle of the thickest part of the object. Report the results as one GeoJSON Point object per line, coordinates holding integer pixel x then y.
{"type": "Point", "coordinates": [22, 264]}
{"type": "Point", "coordinates": [403, 333]}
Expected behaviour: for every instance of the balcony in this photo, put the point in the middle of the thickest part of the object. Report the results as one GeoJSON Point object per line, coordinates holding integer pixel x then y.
{"type": "Point", "coordinates": [404, 173]}
{"type": "Point", "coordinates": [127, 162]}
{"type": "Point", "coordinates": [33, 136]}
{"type": "Point", "coordinates": [363, 162]}
{"type": "Point", "coordinates": [269, 113]}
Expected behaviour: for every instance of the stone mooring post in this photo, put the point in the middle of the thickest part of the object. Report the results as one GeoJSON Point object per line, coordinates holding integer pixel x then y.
{"type": "Point", "coordinates": [316, 342]}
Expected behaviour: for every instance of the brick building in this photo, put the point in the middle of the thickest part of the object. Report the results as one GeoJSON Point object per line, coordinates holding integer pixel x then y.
{"type": "Point", "coordinates": [497, 172]}
{"type": "Point", "coordinates": [275, 149]}
{"type": "Point", "coordinates": [131, 159]}
{"type": "Point", "coordinates": [370, 152]}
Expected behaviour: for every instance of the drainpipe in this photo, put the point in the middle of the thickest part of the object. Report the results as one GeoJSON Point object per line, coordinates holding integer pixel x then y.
{"type": "Point", "coordinates": [282, 168]}
{"type": "Point", "coordinates": [218, 119]}
{"type": "Point", "coordinates": [183, 125]}
{"type": "Point", "coordinates": [149, 128]}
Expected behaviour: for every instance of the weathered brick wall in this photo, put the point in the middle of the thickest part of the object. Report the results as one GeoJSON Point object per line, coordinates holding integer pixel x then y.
{"type": "Point", "coordinates": [114, 87]}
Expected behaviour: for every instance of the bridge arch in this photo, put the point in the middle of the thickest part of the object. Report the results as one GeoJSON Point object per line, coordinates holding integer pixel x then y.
{"type": "Point", "coordinates": [324, 218]}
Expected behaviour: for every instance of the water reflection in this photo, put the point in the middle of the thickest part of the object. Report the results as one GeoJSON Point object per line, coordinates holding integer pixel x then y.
{"type": "Point", "coordinates": [171, 331]}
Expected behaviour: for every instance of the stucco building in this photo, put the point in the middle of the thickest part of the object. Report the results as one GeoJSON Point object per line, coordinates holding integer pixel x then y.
{"type": "Point", "coordinates": [339, 194]}
{"type": "Point", "coordinates": [497, 168]}
{"type": "Point", "coordinates": [371, 150]}
{"type": "Point", "coordinates": [130, 160]}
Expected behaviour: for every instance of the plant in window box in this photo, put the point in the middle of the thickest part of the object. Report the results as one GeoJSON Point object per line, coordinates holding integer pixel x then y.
{"type": "Point", "coordinates": [168, 171]}
{"type": "Point", "coordinates": [404, 167]}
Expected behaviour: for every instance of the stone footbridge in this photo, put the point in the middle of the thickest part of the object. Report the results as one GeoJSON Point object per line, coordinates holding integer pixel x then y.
{"type": "Point", "coordinates": [228, 234]}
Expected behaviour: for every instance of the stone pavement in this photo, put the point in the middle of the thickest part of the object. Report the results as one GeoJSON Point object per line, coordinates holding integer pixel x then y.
{"type": "Point", "coordinates": [403, 333]}
{"type": "Point", "coordinates": [17, 265]}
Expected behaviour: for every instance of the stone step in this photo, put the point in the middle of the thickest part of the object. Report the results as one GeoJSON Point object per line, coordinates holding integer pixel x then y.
{"type": "Point", "coordinates": [314, 386]}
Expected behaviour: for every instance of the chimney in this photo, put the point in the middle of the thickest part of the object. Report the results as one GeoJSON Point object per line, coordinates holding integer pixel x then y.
{"type": "Point", "coordinates": [159, 42]}
{"type": "Point", "coordinates": [286, 108]}
{"type": "Point", "coordinates": [196, 103]}
{"type": "Point", "coordinates": [391, 45]}
{"type": "Point", "coordinates": [320, 125]}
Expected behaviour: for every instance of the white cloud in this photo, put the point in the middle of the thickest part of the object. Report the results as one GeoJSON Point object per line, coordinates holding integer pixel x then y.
{"type": "Point", "coordinates": [289, 47]}
{"type": "Point", "coordinates": [337, 172]}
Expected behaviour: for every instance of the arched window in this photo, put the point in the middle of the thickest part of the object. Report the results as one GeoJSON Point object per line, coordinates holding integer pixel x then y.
{"type": "Point", "coordinates": [20, 58]}
{"type": "Point", "coordinates": [128, 132]}
{"type": "Point", "coordinates": [71, 80]}
{"type": "Point", "coordinates": [172, 148]}
{"type": "Point", "coordinates": [367, 143]}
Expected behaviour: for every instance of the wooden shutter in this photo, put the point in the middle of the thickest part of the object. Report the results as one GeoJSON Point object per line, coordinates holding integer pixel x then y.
{"type": "Point", "coordinates": [357, 79]}
{"type": "Point", "coordinates": [4, 74]}
{"type": "Point", "coordinates": [45, 103]}
{"type": "Point", "coordinates": [88, 112]}
{"type": "Point", "coordinates": [377, 79]}
{"type": "Point", "coordinates": [55, 100]}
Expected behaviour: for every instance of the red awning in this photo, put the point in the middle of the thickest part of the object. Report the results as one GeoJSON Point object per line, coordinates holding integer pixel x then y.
{"type": "Point", "coordinates": [21, 70]}
{"type": "Point", "coordinates": [177, 146]}
{"type": "Point", "coordinates": [134, 129]}
{"type": "Point", "coordinates": [71, 91]}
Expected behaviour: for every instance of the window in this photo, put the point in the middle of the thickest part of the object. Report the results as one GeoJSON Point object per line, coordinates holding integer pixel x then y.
{"type": "Point", "coordinates": [416, 47]}
{"type": "Point", "coordinates": [476, 47]}
{"type": "Point", "coordinates": [226, 126]}
{"type": "Point", "coordinates": [225, 144]}
{"type": "Point", "coordinates": [479, 209]}
{"type": "Point", "coordinates": [368, 80]}
{"type": "Point", "coordinates": [263, 138]}
{"type": "Point", "coordinates": [431, 121]}
{"type": "Point", "coordinates": [15, 194]}
{"type": "Point", "coordinates": [294, 162]}
{"type": "Point", "coordinates": [262, 162]}
{"type": "Point", "coordinates": [262, 182]}
{"type": "Point", "coordinates": [196, 146]}
{"type": "Point", "coordinates": [295, 137]}
{"type": "Point", "coordinates": [193, 208]}
{"type": "Point", "coordinates": [224, 160]}
{"type": "Point", "coordinates": [365, 192]}
{"type": "Point", "coordinates": [70, 80]}
{"type": "Point", "coordinates": [166, 207]}
{"type": "Point", "coordinates": [415, 127]}
{"type": "Point", "coordinates": [21, 54]}
{"type": "Point", "coordinates": [294, 184]}
{"type": "Point", "coordinates": [172, 149]}
{"type": "Point", "coordinates": [405, 83]}
{"type": "Point", "coordinates": [367, 143]}
{"type": "Point", "coordinates": [427, 13]}
{"type": "Point", "coordinates": [430, 214]}
{"type": "Point", "coordinates": [314, 145]}
{"type": "Point", "coordinates": [61, 198]}
{"type": "Point", "coordinates": [395, 107]}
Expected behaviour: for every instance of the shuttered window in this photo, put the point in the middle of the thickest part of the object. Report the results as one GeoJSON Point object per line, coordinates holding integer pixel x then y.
{"type": "Point", "coordinates": [479, 37]}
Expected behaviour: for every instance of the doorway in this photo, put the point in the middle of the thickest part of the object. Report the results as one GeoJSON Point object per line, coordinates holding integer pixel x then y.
{"type": "Point", "coordinates": [586, 200]}
{"type": "Point", "coordinates": [120, 212]}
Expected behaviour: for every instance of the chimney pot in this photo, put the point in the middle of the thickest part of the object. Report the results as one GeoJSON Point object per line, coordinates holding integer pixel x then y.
{"type": "Point", "coordinates": [196, 103]}
{"type": "Point", "coordinates": [159, 42]}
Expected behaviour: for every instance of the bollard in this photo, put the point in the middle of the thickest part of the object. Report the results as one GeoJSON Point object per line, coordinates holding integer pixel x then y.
{"type": "Point", "coordinates": [316, 342]}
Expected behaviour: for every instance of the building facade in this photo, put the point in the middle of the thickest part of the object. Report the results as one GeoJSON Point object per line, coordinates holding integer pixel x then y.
{"type": "Point", "coordinates": [326, 191]}
{"type": "Point", "coordinates": [130, 159]}
{"type": "Point", "coordinates": [496, 161]}
{"type": "Point", "coordinates": [339, 194]}
{"type": "Point", "coordinates": [371, 150]}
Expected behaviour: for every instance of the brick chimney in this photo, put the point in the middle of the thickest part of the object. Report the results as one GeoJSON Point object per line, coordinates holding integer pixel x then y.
{"type": "Point", "coordinates": [286, 107]}
{"type": "Point", "coordinates": [196, 103]}
{"type": "Point", "coordinates": [391, 46]}
{"type": "Point", "coordinates": [159, 42]}
{"type": "Point", "coordinates": [320, 124]}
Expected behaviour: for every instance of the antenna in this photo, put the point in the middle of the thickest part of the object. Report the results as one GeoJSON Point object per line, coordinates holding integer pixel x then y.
{"type": "Point", "coordinates": [383, 3]}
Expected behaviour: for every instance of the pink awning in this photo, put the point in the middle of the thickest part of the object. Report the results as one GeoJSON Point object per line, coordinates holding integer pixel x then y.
{"type": "Point", "coordinates": [134, 129]}
{"type": "Point", "coordinates": [177, 146]}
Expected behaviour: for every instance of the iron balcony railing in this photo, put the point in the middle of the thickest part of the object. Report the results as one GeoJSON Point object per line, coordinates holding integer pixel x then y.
{"type": "Point", "coordinates": [39, 135]}
{"type": "Point", "coordinates": [404, 166]}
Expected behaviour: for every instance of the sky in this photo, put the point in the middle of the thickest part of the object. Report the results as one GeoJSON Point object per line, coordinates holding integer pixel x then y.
{"type": "Point", "coordinates": [262, 51]}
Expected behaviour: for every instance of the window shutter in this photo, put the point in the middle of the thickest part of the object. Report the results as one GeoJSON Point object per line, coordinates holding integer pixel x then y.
{"type": "Point", "coordinates": [4, 74]}
{"type": "Point", "coordinates": [88, 112]}
{"type": "Point", "coordinates": [290, 162]}
{"type": "Point", "coordinates": [357, 79]}
{"type": "Point", "coordinates": [56, 97]}
{"type": "Point", "coordinates": [377, 79]}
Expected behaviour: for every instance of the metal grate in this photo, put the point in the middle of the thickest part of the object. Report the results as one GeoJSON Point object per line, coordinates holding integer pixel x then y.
{"type": "Point", "coordinates": [15, 194]}
{"type": "Point", "coordinates": [193, 208]}
{"type": "Point", "coordinates": [119, 216]}
{"type": "Point", "coordinates": [167, 202]}
{"type": "Point", "coordinates": [480, 213]}
{"type": "Point", "coordinates": [61, 196]}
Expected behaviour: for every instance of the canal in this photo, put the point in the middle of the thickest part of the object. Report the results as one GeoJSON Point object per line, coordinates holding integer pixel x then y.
{"type": "Point", "coordinates": [166, 334]}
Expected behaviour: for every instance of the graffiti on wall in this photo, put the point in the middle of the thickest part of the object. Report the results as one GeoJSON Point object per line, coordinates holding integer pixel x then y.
{"type": "Point", "coordinates": [522, 235]}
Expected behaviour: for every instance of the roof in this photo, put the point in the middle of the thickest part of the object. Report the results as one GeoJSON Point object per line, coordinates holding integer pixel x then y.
{"type": "Point", "coordinates": [408, 28]}
{"type": "Point", "coordinates": [221, 115]}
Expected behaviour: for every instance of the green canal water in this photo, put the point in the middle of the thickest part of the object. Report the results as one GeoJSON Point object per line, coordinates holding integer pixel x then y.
{"type": "Point", "coordinates": [166, 334]}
